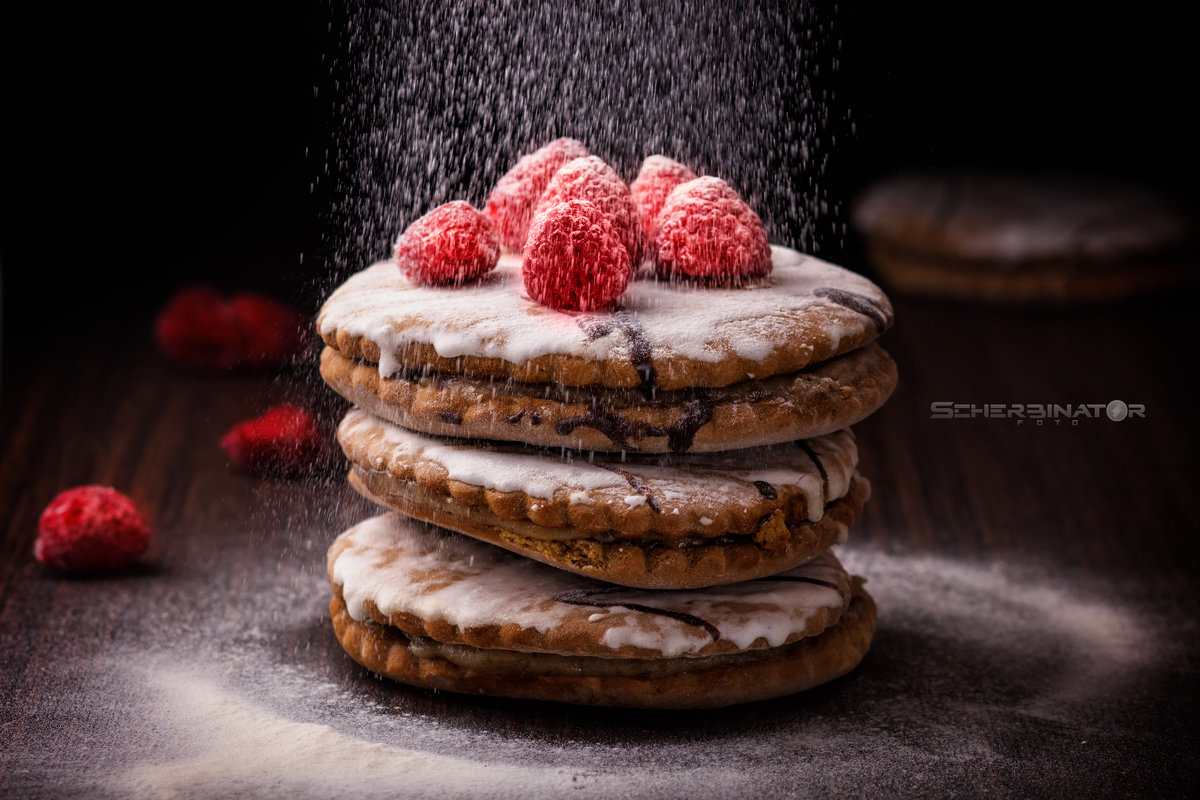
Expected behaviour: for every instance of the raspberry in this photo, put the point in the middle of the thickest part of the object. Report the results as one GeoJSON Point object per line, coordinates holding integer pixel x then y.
{"type": "Point", "coordinates": [574, 258]}
{"type": "Point", "coordinates": [197, 328]}
{"type": "Point", "coordinates": [654, 181]}
{"type": "Point", "coordinates": [589, 178]}
{"type": "Point", "coordinates": [285, 440]}
{"type": "Point", "coordinates": [452, 244]}
{"type": "Point", "coordinates": [201, 329]}
{"type": "Point", "coordinates": [512, 201]}
{"type": "Point", "coordinates": [706, 231]}
{"type": "Point", "coordinates": [91, 529]}
{"type": "Point", "coordinates": [272, 332]}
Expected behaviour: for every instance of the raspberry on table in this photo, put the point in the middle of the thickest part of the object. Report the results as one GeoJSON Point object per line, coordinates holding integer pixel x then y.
{"type": "Point", "coordinates": [451, 245]}
{"type": "Point", "coordinates": [201, 329]}
{"type": "Point", "coordinates": [589, 178]}
{"type": "Point", "coordinates": [272, 331]}
{"type": "Point", "coordinates": [656, 179]}
{"type": "Point", "coordinates": [707, 232]}
{"type": "Point", "coordinates": [511, 203]}
{"type": "Point", "coordinates": [286, 440]}
{"type": "Point", "coordinates": [574, 258]}
{"type": "Point", "coordinates": [91, 529]}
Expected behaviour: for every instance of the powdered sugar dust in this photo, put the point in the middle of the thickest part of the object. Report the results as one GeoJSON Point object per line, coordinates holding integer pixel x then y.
{"type": "Point", "coordinates": [435, 101]}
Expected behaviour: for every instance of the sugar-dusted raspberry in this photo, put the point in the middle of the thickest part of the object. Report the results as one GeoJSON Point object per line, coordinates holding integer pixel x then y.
{"type": "Point", "coordinates": [200, 328]}
{"type": "Point", "coordinates": [589, 178]}
{"type": "Point", "coordinates": [91, 529]}
{"type": "Point", "coordinates": [450, 245]}
{"type": "Point", "coordinates": [574, 258]}
{"type": "Point", "coordinates": [511, 203]}
{"type": "Point", "coordinates": [286, 440]}
{"type": "Point", "coordinates": [706, 231]}
{"type": "Point", "coordinates": [656, 179]}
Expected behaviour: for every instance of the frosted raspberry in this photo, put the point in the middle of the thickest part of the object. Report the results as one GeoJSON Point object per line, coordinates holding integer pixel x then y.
{"type": "Point", "coordinates": [654, 181]}
{"type": "Point", "coordinates": [200, 328]}
{"type": "Point", "coordinates": [452, 244]}
{"type": "Point", "coordinates": [90, 529]}
{"type": "Point", "coordinates": [510, 205]}
{"type": "Point", "coordinates": [589, 178]}
{"type": "Point", "coordinates": [574, 259]}
{"type": "Point", "coordinates": [706, 231]}
{"type": "Point", "coordinates": [286, 440]}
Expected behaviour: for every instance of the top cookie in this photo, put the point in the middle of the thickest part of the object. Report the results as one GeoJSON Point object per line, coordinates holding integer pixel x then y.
{"type": "Point", "coordinates": [1015, 219]}
{"type": "Point", "coordinates": [663, 335]}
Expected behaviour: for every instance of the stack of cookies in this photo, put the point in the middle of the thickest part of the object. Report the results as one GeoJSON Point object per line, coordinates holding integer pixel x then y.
{"type": "Point", "coordinates": [629, 506]}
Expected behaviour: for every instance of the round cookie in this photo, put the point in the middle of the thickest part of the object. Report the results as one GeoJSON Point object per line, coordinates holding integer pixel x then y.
{"type": "Point", "coordinates": [664, 335]}
{"type": "Point", "coordinates": [443, 612]}
{"type": "Point", "coordinates": [668, 523]}
{"type": "Point", "coordinates": [1024, 238]}
{"type": "Point", "coordinates": [802, 405]}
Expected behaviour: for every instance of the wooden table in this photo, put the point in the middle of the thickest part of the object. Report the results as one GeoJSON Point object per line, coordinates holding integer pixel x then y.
{"type": "Point", "coordinates": [1038, 622]}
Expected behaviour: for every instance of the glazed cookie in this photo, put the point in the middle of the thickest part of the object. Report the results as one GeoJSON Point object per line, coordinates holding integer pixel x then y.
{"type": "Point", "coordinates": [825, 398]}
{"type": "Point", "coordinates": [667, 523]}
{"type": "Point", "coordinates": [1024, 239]}
{"type": "Point", "coordinates": [664, 336]}
{"type": "Point", "coordinates": [435, 610]}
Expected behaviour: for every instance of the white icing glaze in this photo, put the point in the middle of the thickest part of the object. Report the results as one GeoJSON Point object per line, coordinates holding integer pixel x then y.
{"type": "Point", "coordinates": [405, 567]}
{"type": "Point", "coordinates": [494, 318]}
{"type": "Point", "coordinates": [535, 474]}
{"type": "Point", "coordinates": [726, 476]}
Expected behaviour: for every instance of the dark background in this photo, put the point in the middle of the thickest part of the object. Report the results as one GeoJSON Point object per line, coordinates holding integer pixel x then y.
{"type": "Point", "coordinates": [144, 151]}
{"type": "Point", "coordinates": [140, 153]}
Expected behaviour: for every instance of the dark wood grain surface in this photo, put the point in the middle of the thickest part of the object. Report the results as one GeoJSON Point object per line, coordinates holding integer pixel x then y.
{"type": "Point", "coordinates": [1038, 623]}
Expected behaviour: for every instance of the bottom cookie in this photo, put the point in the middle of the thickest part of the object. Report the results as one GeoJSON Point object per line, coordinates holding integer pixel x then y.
{"type": "Point", "coordinates": [435, 610]}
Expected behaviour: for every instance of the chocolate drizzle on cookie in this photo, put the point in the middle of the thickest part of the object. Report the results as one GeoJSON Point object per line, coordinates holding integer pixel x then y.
{"type": "Point", "coordinates": [617, 427]}
{"type": "Point", "coordinates": [696, 414]}
{"type": "Point", "coordinates": [620, 429]}
{"type": "Point", "coordinates": [587, 597]}
{"type": "Point", "coordinates": [766, 490]}
{"type": "Point", "coordinates": [535, 418]}
{"type": "Point", "coordinates": [859, 303]}
{"type": "Point", "coordinates": [639, 346]}
{"type": "Point", "coordinates": [639, 486]}
{"type": "Point", "coordinates": [808, 451]}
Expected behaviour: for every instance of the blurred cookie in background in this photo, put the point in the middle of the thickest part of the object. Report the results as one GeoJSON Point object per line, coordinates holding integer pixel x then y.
{"type": "Point", "coordinates": [1024, 238]}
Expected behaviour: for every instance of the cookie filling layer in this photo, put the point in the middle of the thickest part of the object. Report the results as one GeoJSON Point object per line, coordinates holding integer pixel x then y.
{"type": "Point", "coordinates": [830, 396]}
{"type": "Point", "coordinates": [842, 369]}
